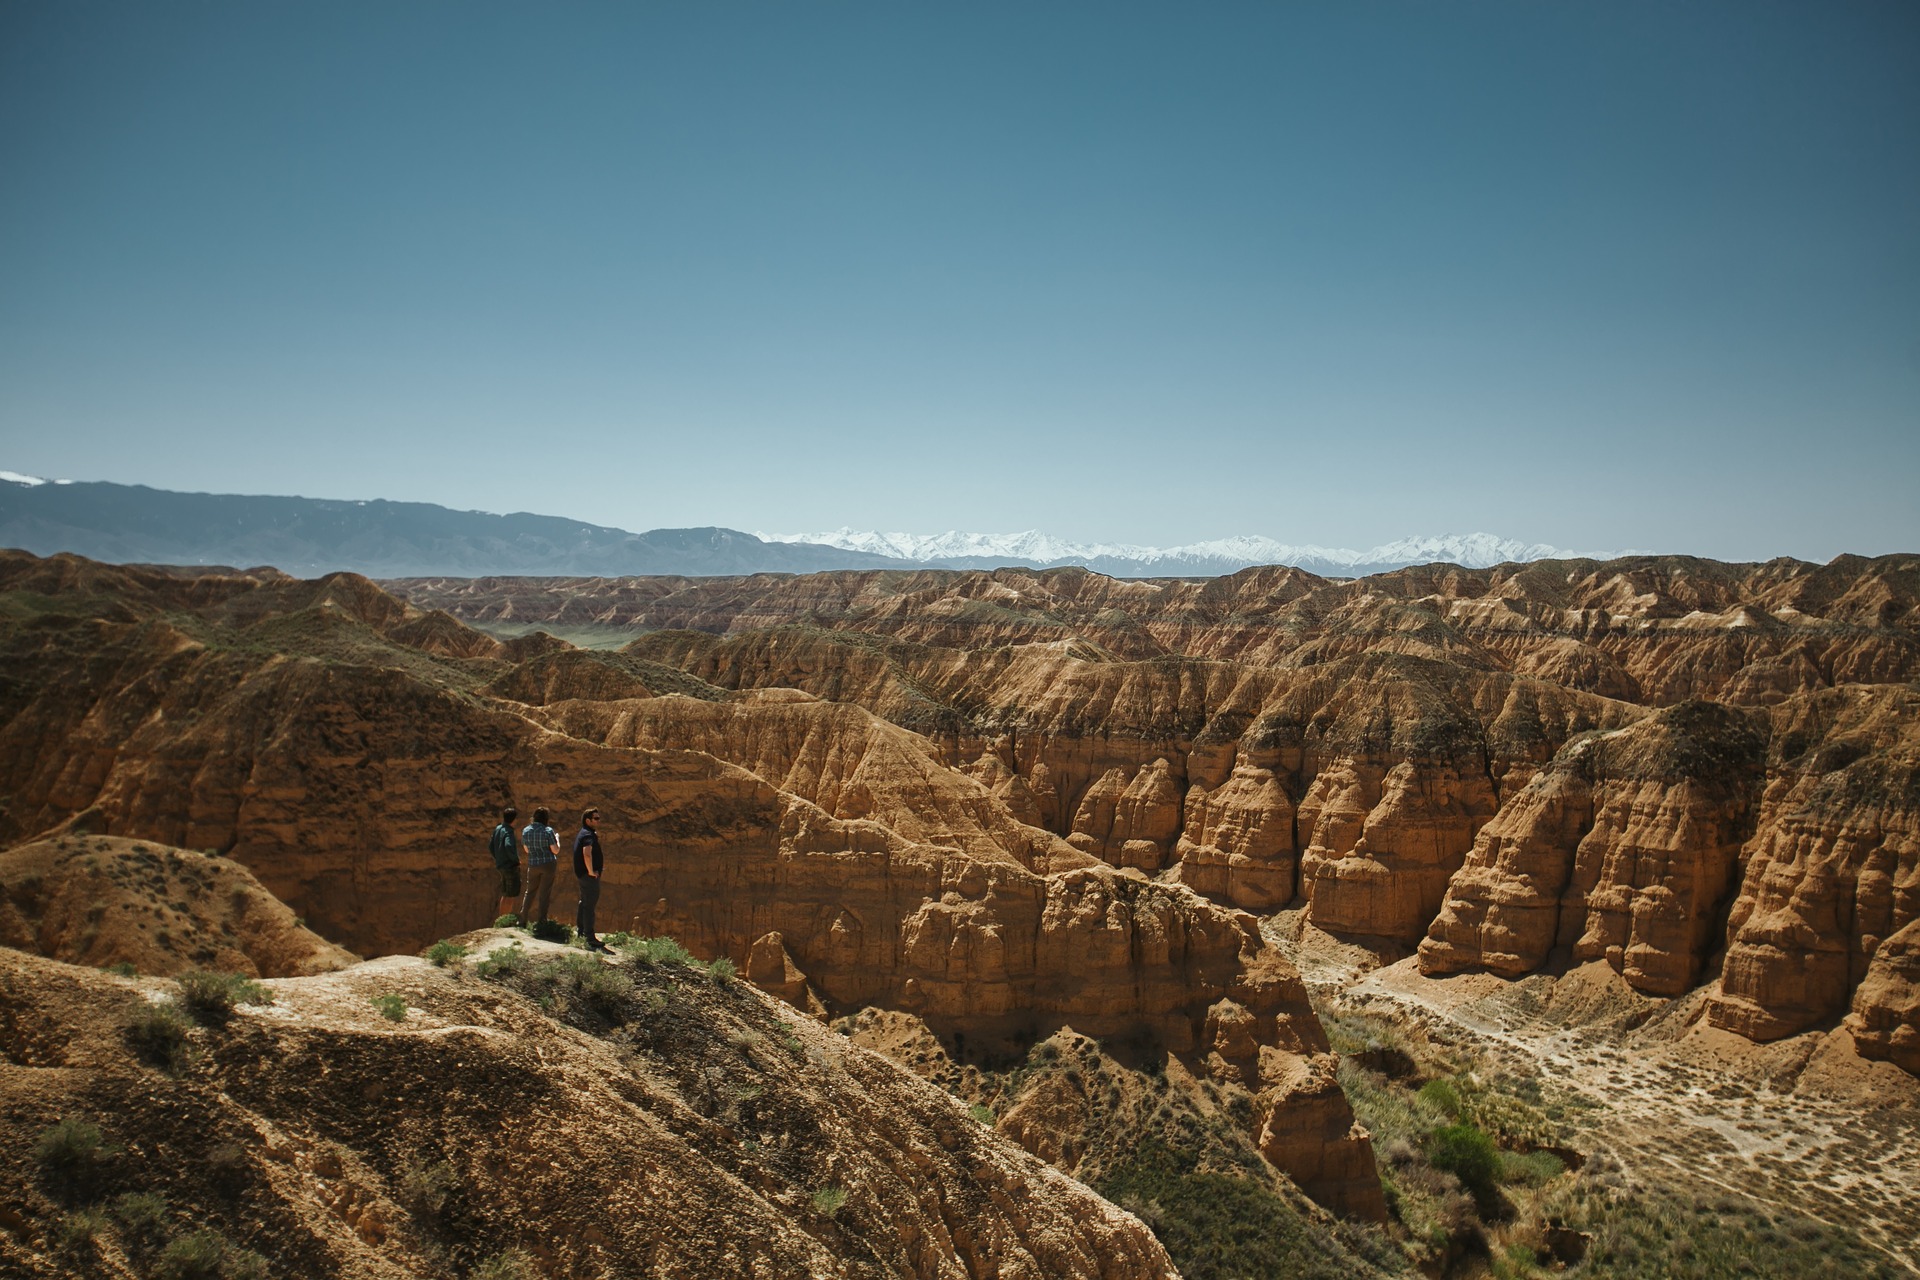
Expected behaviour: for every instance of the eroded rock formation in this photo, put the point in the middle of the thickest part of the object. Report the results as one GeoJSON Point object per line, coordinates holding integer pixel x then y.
{"type": "Point", "coordinates": [288, 725]}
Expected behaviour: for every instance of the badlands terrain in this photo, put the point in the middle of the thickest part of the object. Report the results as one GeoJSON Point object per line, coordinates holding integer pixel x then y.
{"type": "Point", "coordinates": [1555, 918]}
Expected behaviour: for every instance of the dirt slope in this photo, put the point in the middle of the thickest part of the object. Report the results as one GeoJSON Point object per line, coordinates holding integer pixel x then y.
{"type": "Point", "coordinates": [667, 1125]}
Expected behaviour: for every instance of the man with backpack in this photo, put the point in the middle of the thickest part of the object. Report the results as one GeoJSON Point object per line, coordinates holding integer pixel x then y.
{"type": "Point", "coordinates": [505, 849]}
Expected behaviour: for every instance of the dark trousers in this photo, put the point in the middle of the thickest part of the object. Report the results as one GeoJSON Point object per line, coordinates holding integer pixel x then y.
{"type": "Point", "coordinates": [589, 899]}
{"type": "Point", "coordinates": [533, 903]}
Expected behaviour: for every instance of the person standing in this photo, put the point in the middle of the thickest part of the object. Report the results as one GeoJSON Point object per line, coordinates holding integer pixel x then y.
{"type": "Point", "coordinates": [587, 865]}
{"type": "Point", "coordinates": [541, 844]}
{"type": "Point", "coordinates": [506, 861]}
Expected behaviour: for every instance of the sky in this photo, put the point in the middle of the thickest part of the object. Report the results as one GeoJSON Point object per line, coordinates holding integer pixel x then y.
{"type": "Point", "coordinates": [1602, 275]}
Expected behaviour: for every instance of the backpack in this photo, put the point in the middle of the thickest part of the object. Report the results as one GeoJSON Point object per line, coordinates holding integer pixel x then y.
{"type": "Point", "coordinates": [502, 847]}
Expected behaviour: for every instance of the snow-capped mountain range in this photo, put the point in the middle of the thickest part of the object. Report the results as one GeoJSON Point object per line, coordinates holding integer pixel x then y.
{"type": "Point", "coordinates": [135, 524]}
{"type": "Point", "coordinates": [958, 550]}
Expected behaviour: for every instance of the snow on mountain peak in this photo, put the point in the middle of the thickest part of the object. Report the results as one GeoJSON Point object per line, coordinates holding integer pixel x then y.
{"type": "Point", "coordinates": [1223, 555]}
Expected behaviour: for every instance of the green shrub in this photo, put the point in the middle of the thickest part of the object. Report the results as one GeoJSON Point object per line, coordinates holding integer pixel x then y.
{"type": "Point", "coordinates": [507, 921]}
{"type": "Point", "coordinates": [123, 970]}
{"type": "Point", "coordinates": [393, 1008]}
{"type": "Point", "coordinates": [71, 1152]}
{"type": "Point", "coordinates": [584, 980]}
{"type": "Point", "coordinates": [443, 954]}
{"type": "Point", "coordinates": [198, 1256]}
{"type": "Point", "coordinates": [723, 970]}
{"type": "Point", "coordinates": [981, 1113]}
{"type": "Point", "coordinates": [1531, 1169]}
{"type": "Point", "coordinates": [513, 1264]}
{"type": "Point", "coordinates": [142, 1216]}
{"type": "Point", "coordinates": [553, 931]}
{"type": "Point", "coordinates": [1442, 1096]}
{"type": "Point", "coordinates": [157, 1035]}
{"type": "Point", "coordinates": [427, 1188]}
{"type": "Point", "coordinates": [504, 962]}
{"type": "Point", "coordinates": [79, 1229]}
{"type": "Point", "coordinates": [1469, 1155]}
{"type": "Point", "coordinates": [829, 1200]}
{"type": "Point", "coordinates": [658, 951]}
{"type": "Point", "coordinates": [209, 997]}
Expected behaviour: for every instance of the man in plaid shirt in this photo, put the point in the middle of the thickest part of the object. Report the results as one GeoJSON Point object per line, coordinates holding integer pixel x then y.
{"type": "Point", "coordinates": [542, 845]}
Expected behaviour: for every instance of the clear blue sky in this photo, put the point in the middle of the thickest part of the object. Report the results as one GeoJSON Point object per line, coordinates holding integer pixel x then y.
{"type": "Point", "coordinates": [1596, 274]}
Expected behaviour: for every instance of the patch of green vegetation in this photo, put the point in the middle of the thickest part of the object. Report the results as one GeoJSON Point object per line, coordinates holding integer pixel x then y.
{"type": "Point", "coordinates": [722, 969]}
{"type": "Point", "coordinates": [656, 951]}
{"type": "Point", "coordinates": [122, 970]}
{"type": "Point", "coordinates": [1465, 1151]}
{"type": "Point", "coordinates": [1219, 1226]}
{"type": "Point", "coordinates": [507, 921]}
{"type": "Point", "coordinates": [427, 1187]}
{"type": "Point", "coordinates": [829, 1200]}
{"type": "Point", "coordinates": [503, 963]}
{"type": "Point", "coordinates": [512, 1264]}
{"type": "Point", "coordinates": [553, 931]}
{"type": "Point", "coordinates": [82, 1228]}
{"type": "Point", "coordinates": [157, 1034]}
{"type": "Point", "coordinates": [983, 1114]}
{"type": "Point", "coordinates": [209, 997]}
{"type": "Point", "coordinates": [392, 1007]}
{"type": "Point", "coordinates": [443, 953]}
{"type": "Point", "coordinates": [72, 1153]}
{"type": "Point", "coordinates": [207, 1255]}
{"type": "Point", "coordinates": [563, 984]}
{"type": "Point", "coordinates": [142, 1216]}
{"type": "Point", "coordinates": [1635, 1234]}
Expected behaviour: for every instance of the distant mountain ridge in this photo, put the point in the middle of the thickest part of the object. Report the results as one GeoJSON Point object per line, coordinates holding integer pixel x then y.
{"type": "Point", "coordinates": [957, 550]}
{"type": "Point", "coordinates": [307, 537]}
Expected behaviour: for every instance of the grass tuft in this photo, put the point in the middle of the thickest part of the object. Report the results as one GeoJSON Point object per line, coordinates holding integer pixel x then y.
{"type": "Point", "coordinates": [209, 997]}
{"type": "Point", "coordinates": [157, 1034]}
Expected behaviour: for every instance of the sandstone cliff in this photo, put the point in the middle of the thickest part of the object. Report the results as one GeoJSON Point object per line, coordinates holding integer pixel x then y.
{"type": "Point", "coordinates": [1652, 629]}
{"type": "Point", "coordinates": [291, 727]}
{"type": "Point", "coordinates": [1885, 1022]}
{"type": "Point", "coordinates": [1624, 850]}
{"type": "Point", "coordinates": [1834, 869]}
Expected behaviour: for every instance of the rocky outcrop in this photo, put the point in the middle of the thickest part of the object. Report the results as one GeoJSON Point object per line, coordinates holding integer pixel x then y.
{"type": "Point", "coordinates": [1623, 850]}
{"type": "Point", "coordinates": [105, 901]}
{"type": "Point", "coordinates": [1130, 822]}
{"type": "Point", "coordinates": [357, 777]}
{"type": "Point", "coordinates": [1833, 870]}
{"type": "Point", "coordinates": [1654, 629]}
{"type": "Point", "coordinates": [1885, 1022]}
{"type": "Point", "coordinates": [1238, 842]}
{"type": "Point", "coordinates": [324, 1137]}
{"type": "Point", "coordinates": [1385, 842]}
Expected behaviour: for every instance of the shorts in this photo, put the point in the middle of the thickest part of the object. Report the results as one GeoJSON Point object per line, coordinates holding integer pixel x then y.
{"type": "Point", "coordinates": [510, 880]}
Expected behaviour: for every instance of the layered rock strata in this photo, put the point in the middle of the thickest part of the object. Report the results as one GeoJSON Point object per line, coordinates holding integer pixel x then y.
{"type": "Point", "coordinates": [357, 777]}
{"type": "Point", "coordinates": [1625, 850]}
{"type": "Point", "coordinates": [1833, 871]}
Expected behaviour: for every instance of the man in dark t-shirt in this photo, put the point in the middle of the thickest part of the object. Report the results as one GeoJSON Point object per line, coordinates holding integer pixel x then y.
{"type": "Point", "coordinates": [587, 862]}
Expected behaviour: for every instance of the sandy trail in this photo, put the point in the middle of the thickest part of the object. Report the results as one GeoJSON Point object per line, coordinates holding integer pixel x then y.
{"type": "Point", "coordinates": [1802, 1126]}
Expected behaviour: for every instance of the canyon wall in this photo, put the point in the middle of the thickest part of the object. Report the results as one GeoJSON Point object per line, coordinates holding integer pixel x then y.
{"type": "Point", "coordinates": [290, 727]}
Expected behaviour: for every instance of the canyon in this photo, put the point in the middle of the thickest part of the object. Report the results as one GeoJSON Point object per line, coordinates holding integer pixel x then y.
{"type": "Point", "coordinates": [1016, 807]}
